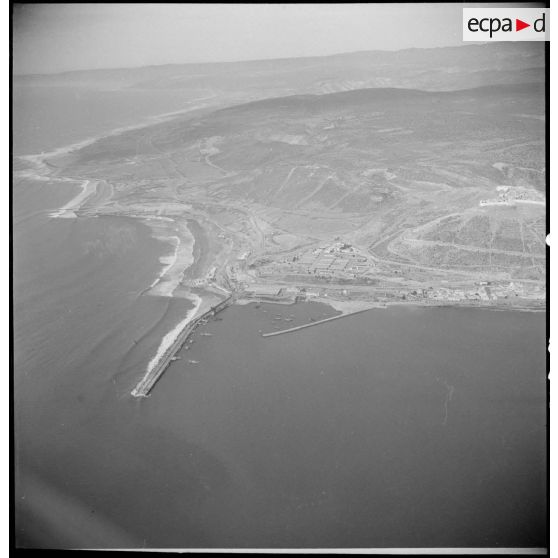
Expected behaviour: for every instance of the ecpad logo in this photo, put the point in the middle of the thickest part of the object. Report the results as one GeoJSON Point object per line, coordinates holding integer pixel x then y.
{"type": "Point", "coordinates": [505, 24]}
{"type": "Point", "coordinates": [493, 25]}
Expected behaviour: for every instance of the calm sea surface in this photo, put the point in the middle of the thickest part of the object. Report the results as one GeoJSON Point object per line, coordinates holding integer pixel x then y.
{"type": "Point", "coordinates": [396, 427]}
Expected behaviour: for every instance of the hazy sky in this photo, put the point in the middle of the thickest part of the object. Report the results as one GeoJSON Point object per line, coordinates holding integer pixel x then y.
{"type": "Point", "coordinates": [58, 37]}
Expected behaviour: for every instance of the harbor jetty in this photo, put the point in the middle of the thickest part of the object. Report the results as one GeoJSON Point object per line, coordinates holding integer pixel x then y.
{"type": "Point", "coordinates": [297, 328]}
{"type": "Point", "coordinates": [145, 385]}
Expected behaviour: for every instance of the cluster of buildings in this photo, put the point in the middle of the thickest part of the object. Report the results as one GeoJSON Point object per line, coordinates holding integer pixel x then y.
{"type": "Point", "coordinates": [338, 261]}
{"type": "Point", "coordinates": [482, 291]}
{"type": "Point", "coordinates": [508, 195]}
{"type": "Point", "coordinates": [276, 293]}
{"type": "Point", "coordinates": [342, 262]}
{"type": "Point", "coordinates": [443, 293]}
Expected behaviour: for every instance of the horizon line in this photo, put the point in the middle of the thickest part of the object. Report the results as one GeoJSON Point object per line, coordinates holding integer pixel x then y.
{"type": "Point", "coordinates": [209, 63]}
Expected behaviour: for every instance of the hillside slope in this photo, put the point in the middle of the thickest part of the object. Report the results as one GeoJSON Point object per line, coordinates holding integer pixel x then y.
{"type": "Point", "coordinates": [438, 180]}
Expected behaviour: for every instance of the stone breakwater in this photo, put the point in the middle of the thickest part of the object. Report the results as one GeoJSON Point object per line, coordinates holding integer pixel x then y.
{"type": "Point", "coordinates": [174, 343]}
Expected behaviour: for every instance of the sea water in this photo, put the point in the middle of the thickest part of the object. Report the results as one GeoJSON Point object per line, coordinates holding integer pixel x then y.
{"type": "Point", "coordinates": [396, 427]}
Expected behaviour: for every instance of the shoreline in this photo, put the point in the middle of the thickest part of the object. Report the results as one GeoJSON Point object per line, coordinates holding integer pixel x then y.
{"type": "Point", "coordinates": [174, 265]}
{"type": "Point", "coordinates": [343, 306]}
{"type": "Point", "coordinates": [173, 334]}
{"type": "Point", "coordinates": [38, 159]}
{"type": "Point", "coordinates": [172, 258]}
{"type": "Point", "coordinates": [351, 306]}
{"type": "Point", "coordinates": [67, 211]}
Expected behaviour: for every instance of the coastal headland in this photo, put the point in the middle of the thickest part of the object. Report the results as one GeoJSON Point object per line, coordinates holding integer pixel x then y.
{"type": "Point", "coordinates": [258, 203]}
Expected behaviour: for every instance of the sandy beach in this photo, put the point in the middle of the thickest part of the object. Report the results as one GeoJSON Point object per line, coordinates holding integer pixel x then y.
{"type": "Point", "coordinates": [169, 260]}
{"type": "Point", "coordinates": [177, 262]}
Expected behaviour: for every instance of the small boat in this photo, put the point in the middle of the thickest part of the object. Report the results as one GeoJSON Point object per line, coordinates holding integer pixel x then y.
{"type": "Point", "coordinates": [175, 358]}
{"type": "Point", "coordinates": [194, 361]}
{"type": "Point", "coordinates": [206, 334]}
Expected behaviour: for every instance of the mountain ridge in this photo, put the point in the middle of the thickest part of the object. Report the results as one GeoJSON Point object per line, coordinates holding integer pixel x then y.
{"type": "Point", "coordinates": [177, 65]}
{"type": "Point", "coordinates": [434, 69]}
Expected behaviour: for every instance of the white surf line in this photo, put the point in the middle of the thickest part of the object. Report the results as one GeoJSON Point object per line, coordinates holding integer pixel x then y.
{"type": "Point", "coordinates": [39, 159]}
{"type": "Point", "coordinates": [67, 211]}
{"type": "Point", "coordinates": [172, 275]}
{"type": "Point", "coordinates": [169, 260]}
{"type": "Point", "coordinates": [173, 334]}
{"type": "Point", "coordinates": [42, 170]}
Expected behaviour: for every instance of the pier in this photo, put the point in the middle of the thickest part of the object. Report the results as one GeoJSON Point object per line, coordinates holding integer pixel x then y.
{"type": "Point", "coordinates": [145, 385]}
{"type": "Point", "coordinates": [296, 328]}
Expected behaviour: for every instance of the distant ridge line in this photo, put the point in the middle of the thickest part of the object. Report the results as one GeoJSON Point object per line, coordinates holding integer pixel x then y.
{"type": "Point", "coordinates": [257, 61]}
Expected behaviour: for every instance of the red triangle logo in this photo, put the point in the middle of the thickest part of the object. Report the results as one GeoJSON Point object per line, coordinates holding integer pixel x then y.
{"type": "Point", "coordinates": [519, 25]}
